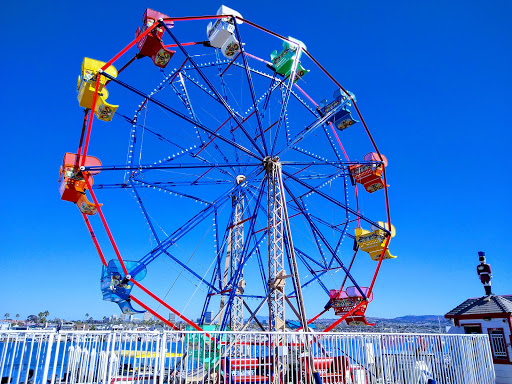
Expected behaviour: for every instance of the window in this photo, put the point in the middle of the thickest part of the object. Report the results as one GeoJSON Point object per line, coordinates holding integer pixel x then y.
{"type": "Point", "coordinates": [472, 329]}
{"type": "Point", "coordinates": [498, 345]}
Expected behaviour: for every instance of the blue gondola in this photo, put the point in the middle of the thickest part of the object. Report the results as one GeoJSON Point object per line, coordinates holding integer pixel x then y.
{"type": "Point", "coordinates": [115, 288]}
{"type": "Point", "coordinates": [342, 118]}
{"type": "Point", "coordinates": [297, 324]}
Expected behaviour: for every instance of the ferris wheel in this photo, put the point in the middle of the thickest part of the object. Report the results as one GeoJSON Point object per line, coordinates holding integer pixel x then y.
{"type": "Point", "coordinates": [237, 162]}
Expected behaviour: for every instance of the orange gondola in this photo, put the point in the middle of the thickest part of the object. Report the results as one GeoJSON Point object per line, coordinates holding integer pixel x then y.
{"type": "Point", "coordinates": [73, 182]}
{"type": "Point", "coordinates": [370, 175]}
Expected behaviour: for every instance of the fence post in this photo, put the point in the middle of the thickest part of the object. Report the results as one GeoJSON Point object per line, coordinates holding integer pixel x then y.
{"type": "Point", "coordinates": [163, 351]}
{"type": "Point", "coordinates": [48, 356]}
{"type": "Point", "coordinates": [108, 359]}
{"type": "Point", "coordinates": [56, 358]}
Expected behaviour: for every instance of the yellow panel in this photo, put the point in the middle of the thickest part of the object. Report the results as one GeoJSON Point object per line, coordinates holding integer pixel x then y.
{"type": "Point", "coordinates": [87, 86]}
{"type": "Point", "coordinates": [373, 242]}
{"type": "Point", "coordinates": [86, 94]}
{"type": "Point", "coordinates": [91, 67]}
{"type": "Point", "coordinates": [105, 111]}
{"type": "Point", "coordinates": [385, 225]}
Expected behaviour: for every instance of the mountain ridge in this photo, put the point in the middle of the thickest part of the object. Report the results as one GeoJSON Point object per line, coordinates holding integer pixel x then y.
{"type": "Point", "coordinates": [405, 319]}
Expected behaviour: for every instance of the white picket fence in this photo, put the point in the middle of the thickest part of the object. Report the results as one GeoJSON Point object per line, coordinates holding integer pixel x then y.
{"type": "Point", "coordinates": [243, 358]}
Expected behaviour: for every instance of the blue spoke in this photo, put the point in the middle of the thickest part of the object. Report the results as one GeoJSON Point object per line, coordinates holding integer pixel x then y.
{"type": "Point", "coordinates": [338, 245]}
{"type": "Point", "coordinates": [317, 219]}
{"type": "Point", "coordinates": [188, 105]}
{"type": "Point", "coordinates": [333, 145]}
{"type": "Point", "coordinates": [184, 151]}
{"type": "Point", "coordinates": [303, 254]}
{"type": "Point", "coordinates": [164, 166]}
{"type": "Point", "coordinates": [312, 127]}
{"type": "Point", "coordinates": [175, 259]}
{"type": "Point", "coordinates": [334, 201]}
{"type": "Point", "coordinates": [333, 253]}
{"type": "Point", "coordinates": [316, 276]}
{"type": "Point", "coordinates": [212, 88]}
{"type": "Point", "coordinates": [146, 215]}
{"type": "Point", "coordinates": [183, 116]}
{"type": "Point", "coordinates": [244, 254]}
{"type": "Point", "coordinates": [202, 88]}
{"type": "Point", "coordinates": [187, 195]}
{"type": "Point", "coordinates": [251, 86]}
{"type": "Point", "coordinates": [163, 184]}
{"type": "Point", "coordinates": [262, 268]}
{"type": "Point", "coordinates": [224, 94]}
{"type": "Point", "coordinates": [185, 99]}
{"type": "Point", "coordinates": [281, 83]}
{"type": "Point", "coordinates": [188, 226]}
{"type": "Point", "coordinates": [271, 89]}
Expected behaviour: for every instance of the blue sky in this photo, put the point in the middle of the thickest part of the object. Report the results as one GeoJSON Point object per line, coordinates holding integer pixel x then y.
{"type": "Point", "coordinates": [432, 81]}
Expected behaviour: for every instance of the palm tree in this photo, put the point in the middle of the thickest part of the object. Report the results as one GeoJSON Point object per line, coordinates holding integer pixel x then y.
{"type": "Point", "coordinates": [42, 316]}
{"type": "Point", "coordinates": [7, 316]}
{"type": "Point", "coordinates": [17, 317]}
{"type": "Point", "coordinates": [86, 316]}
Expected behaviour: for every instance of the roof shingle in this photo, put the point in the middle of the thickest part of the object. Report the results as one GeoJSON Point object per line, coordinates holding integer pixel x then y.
{"type": "Point", "coordinates": [480, 306]}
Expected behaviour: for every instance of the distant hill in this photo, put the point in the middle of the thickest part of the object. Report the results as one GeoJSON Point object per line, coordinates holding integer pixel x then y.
{"type": "Point", "coordinates": [418, 319]}
{"type": "Point", "coordinates": [401, 319]}
{"type": "Point", "coordinates": [409, 323]}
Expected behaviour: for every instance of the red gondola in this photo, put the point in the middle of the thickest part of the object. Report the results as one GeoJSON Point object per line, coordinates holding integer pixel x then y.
{"type": "Point", "coordinates": [370, 175]}
{"type": "Point", "coordinates": [73, 184]}
{"type": "Point", "coordinates": [151, 45]}
{"type": "Point", "coordinates": [344, 301]}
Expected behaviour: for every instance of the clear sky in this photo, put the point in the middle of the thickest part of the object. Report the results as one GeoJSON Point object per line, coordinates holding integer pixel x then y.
{"type": "Point", "coordinates": [432, 79]}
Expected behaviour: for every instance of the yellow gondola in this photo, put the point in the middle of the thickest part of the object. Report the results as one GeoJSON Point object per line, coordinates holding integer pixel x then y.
{"type": "Point", "coordinates": [87, 85]}
{"type": "Point", "coordinates": [374, 241]}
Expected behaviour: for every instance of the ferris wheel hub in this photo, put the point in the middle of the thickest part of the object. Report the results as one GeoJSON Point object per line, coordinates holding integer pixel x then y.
{"type": "Point", "coordinates": [269, 162]}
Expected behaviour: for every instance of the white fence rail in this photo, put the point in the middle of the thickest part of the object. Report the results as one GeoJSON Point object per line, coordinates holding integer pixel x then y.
{"type": "Point", "coordinates": [243, 358]}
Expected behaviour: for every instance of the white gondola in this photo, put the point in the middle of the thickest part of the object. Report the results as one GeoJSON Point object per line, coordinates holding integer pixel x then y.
{"type": "Point", "coordinates": [221, 34]}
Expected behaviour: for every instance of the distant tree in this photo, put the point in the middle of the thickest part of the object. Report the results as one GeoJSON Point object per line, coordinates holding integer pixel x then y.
{"type": "Point", "coordinates": [86, 316]}
{"type": "Point", "coordinates": [42, 316]}
{"type": "Point", "coordinates": [105, 319]}
{"type": "Point", "coordinates": [7, 316]}
{"type": "Point", "coordinates": [17, 317]}
{"type": "Point", "coordinates": [32, 318]}
{"type": "Point", "coordinates": [90, 319]}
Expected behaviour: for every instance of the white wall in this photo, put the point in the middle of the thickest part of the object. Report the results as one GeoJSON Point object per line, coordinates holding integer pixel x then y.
{"type": "Point", "coordinates": [503, 371]}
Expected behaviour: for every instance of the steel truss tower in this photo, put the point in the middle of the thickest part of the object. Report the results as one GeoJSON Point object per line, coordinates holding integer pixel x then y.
{"type": "Point", "coordinates": [276, 271]}
{"type": "Point", "coordinates": [233, 257]}
{"type": "Point", "coordinates": [237, 246]}
{"type": "Point", "coordinates": [278, 225]}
